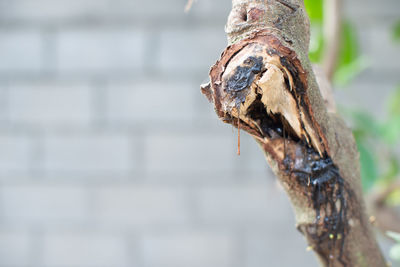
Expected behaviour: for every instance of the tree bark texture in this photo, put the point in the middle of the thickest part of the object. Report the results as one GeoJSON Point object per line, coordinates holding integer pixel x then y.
{"type": "Point", "coordinates": [264, 84]}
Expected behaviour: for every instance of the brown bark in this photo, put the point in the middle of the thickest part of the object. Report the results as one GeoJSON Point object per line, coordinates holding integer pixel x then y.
{"type": "Point", "coordinates": [264, 83]}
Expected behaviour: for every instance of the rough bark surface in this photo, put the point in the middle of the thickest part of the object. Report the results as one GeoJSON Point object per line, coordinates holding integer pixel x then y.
{"type": "Point", "coordinates": [264, 84]}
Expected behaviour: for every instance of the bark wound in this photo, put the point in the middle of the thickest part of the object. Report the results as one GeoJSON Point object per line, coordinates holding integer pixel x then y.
{"type": "Point", "coordinates": [260, 85]}
{"type": "Point", "coordinates": [327, 191]}
{"type": "Point", "coordinates": [264, 84]}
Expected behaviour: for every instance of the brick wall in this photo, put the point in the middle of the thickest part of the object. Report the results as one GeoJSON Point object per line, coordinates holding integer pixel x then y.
{"type": "Point", "coordinates": [110, 156]}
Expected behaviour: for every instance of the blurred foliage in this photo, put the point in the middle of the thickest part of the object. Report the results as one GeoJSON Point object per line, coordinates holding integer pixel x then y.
{"type": "Point", "coordinates": [375, 139]}
{"type": "Point", "coordinates": [316, 13]}
{"type": "Point", "coordinates": [350, 63]}
{"type": "Point", "coordinates": [376, 142]}
{"type": "Point", "coordinates": [369, 170]}
{"type": "Point", "coordinates": [394, 198]}
{"type": "Point", "coordinates": [396, 31]}
{"type": "Point", "coordinates": [395, 250]}
{"type": "Point", "coordinates": [315, 10]}
{"type": "Point", "coordinates": [316, 43]}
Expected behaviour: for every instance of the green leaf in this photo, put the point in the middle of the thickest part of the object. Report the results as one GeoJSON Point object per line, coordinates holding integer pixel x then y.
{"type": "Point", "coordinates": [349, 49]}
{"type": "Point", "coordinates": [393, 199]}
{"type": "Point", "coordinates": [393, 170]}
{"type": "Point", "coordinates": [394, 102]}
{"type": "Point", "coordinates": [344, 74]}
{"type": "Point", "coordinates": [394, 235]}
{"type": "Point", "coordinates": [396, 31]}
{"type": "Point", "coordinates": [350, 63]}
{"type": "Point", "coordinates": [394, 252]}
{"type": "Point", "coordinates": [315, 10]}
{"type": "Point", "coordinates": [391, 130]}
{"type": "Point", "coordinates": [369, 171]}
{"type": "Point", "coordinates": [364, 123]}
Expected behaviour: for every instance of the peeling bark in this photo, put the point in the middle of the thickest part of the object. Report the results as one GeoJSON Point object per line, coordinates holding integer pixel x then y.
{"type": "Point", "coordinates": [264, 84]}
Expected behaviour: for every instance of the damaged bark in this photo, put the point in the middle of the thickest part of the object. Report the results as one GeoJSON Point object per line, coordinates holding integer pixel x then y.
{"type": "Point", "coordinates": [264, 84]}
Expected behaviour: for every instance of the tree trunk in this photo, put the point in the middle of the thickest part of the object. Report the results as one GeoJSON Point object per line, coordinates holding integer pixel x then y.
{"type": "Point", "coordinates": [264, 84]}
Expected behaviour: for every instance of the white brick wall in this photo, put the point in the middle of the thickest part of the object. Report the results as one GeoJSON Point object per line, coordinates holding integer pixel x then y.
{"type": "Point", "coordinates": [111, 157]}
{"type": "Point", "coordinates": [381, 40]}
{"type": "Point", "coordinates": [54, 10]}
{"type": "Point", "coordinates": [100, 51]}
{"type": "Point", "coordinates": [182, 51]}
{"type": "Point", "coordinates": [15, 248]}
{"type": "Point", "coordinates": [148, 11]}
{"type": "Point", "coordinates": [192, 153]}
{"type": "Point", "coordinates": [195, 249]}
{"type": "Point", "coordinates": [89, 154]}
{"type": "Point", "coordinates": [15, 154]}
{"type": "Point", "coordinates": [50, 104]}
{"type": "Point", "coordinates": [242, 204]}
{"type": "Point", "coordinates": [89, 249]}
{"type": "Point", "coordinates": [151, 102]}
{"type": "Point", "coordinates": [140, 206]}
{"type": "Point", "coordinates": [286, 238]}
{"type": "Point", "coordinates": [43, 204]}
{"type": "Point", "coordinates": [21, 51]}
{"type": "Point", "coordinates": [369, 11]}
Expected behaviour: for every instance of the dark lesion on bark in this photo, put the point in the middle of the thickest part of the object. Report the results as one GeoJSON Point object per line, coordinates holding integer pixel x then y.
{"type": "Point", "coordinates": [309, 172]}
{"type": "Point", "coordinates": [328, 194]}
{"type": "Point", "coordinates": [314, 176]}
{"type": "Point", "coordinates": [242, 79]}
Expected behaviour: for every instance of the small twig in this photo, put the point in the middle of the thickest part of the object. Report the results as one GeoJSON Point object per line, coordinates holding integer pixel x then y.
{"type": "Point", "coordinates": [331, 31]}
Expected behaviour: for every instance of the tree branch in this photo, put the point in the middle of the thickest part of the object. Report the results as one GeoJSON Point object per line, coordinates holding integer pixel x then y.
{"type": "Point", "coordinates": [332, 28]}
{"type": "Point", "coordinates": [265, 84]}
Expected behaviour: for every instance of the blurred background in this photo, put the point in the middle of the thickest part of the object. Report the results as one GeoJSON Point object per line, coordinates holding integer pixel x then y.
{"type": "Point", "coordinates": [110, 156]}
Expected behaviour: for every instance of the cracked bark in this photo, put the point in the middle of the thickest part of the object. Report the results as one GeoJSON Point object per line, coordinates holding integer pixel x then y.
{"type": "Point", "coordinates": [264, 84]}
